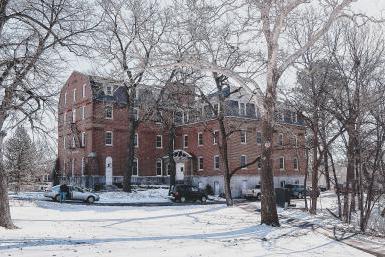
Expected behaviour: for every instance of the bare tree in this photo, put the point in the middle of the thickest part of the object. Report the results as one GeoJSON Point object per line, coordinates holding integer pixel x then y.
{"type": "Point", "coordinates": [33, 34]}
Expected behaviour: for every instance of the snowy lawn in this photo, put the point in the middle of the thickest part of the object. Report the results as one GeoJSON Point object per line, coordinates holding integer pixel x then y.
{"type": "Point", "coordinates": [52, 229]}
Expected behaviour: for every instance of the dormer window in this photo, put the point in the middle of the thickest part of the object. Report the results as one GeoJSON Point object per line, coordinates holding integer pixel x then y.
{"type": "Point", "coordinates": [242, 109]}
{"type": "Point", "coordinates": [109, 90]}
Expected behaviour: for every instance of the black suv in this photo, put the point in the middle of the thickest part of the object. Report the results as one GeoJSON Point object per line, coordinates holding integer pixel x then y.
{"type": "Point", "coordinates": [296, 191]}
{"type": "Point", "coordinates": [183, 193]}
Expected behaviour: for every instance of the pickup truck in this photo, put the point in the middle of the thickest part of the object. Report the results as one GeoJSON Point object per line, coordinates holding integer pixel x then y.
{"type": "Point", "coordinates": [254, 193]}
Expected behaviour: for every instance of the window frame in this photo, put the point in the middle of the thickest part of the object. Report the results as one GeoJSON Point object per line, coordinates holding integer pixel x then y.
{"type": "Point", "coordinates": [136, 145]}
{"type": "Point", "coordinates": [259, 138]}
{"type": "Point", "coordinates": [105, 138]}
{"type": "Point", "coordinates": [161, 167]}
{"type": "Point", "coordinates": [280, 139]}
{"type": "Point", "coordinates": [83, 139]}
{"type": "Point", "coordinates": [283, 162]}
{"type": "Point", "coordinates": [105, 112]}
{"type": "Point", "coordinates": [215, 137]}
{"type": "Point", "coordinates": [200, 163]}
{"type": "Point", "coordinates": [240, 162]}
{"type": "Point", "coordinates": [111, 91]}
{"type": "Point", "coordinates": [242, 111]}
{"type": "Point", "coordinates": [200, 139]}
{"type": "Point", "coordinates": [215, 162]}
{"type": "Point", "coordinates": [84, 90]}
{"type": "Point", "coordinates": [161, 141]}
{"type": "Point", "coordinates": [137, 167]}
{"type": "Point", "coordinates": [243, 132]}
{"type": "Point", "coordinates": [295, 163]}
{"type": "Point", "coordinates": [185, 142]}
{"type": "Point", "coordinates": [83, 112]}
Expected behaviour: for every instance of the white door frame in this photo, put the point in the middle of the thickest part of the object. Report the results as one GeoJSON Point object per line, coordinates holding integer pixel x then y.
{"type": "Point", "coordinates": [108, 170]}
{"type": "Point", "coordinates": [179, 175]}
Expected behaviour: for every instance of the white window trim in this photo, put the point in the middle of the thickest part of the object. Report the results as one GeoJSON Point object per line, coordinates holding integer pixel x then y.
{"type": "Point", "coordinates": [184, 141]}
{"type": "Point", "coordinates": [83, 112]}
{"type": "Point", "coordinates": [243, 168]}
{"type": "Point", "coordinates": [161, 142]}
{"type": "Point", "coordinates": [161, 167]}
{"type": "Point", "coordinates": [244, 131]}
{"type": "Point", "coordinates": [65, 98]}
{"type": "Point", "coordinates": [112, 138]}
{"type": "Point", "coordinates": [219, 162]}
{"type": "Point", "coordinates": [137, 168]}
{"type": "Point", "coordinates": [112, 112]}
{"type": "Point", "coordinates": [215, 139]}
{"type": "Point", "coordinates": [280, 135]}
{"type": "Point", "coordinates": [74, 95]}
{"type": "Point", "coordinates": [297, 162]}
{"type": "Point", "coordinates": [200, 133]}
{"type": "Point", "coordinates": [83, 139]}
{"type": "Point", "coordinates": [64, 142]}
{"type": "Point", "coordinates": [296, 141]}
{"type": "Point", "coordinates": [282, 157]}
{"type": "Point", "coordinates": [199, 163]}
{"type": "Point", "coordinates": [74, 115]}
{"type": "Point", "coordinates": [137, 140]}
{"type": "Point", "coordinates": [84, 91]}
{"type": "Point", "coordinates": [244, 109]}
{"type": "Point", "coordinates": [73, 143]}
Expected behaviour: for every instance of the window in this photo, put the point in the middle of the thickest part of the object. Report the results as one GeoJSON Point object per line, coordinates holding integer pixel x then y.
{"type": "Point", "coordinates": [84, 90]}
{"type": "Point", "coordinates": [295, 163]}
{"type": "Point", "coordinates": [83, 112]}
{"type": "Point", "coordinates": [216, 109]}
{"type": "Point", "coordinates": [159, 141]}
{"type": "Point", "coordinates": [136, 114]}
{"type": "Point", "coordinates": [135, 167]}
{"type": "Point", "coordinates": [108, 138]}
{"type": "Point", "coordinates": [65, 117]}
{"type": "Point", "coordinates": [216, 162]}
{"type": "Point", "coordinates": [74, 115]}
{"type": "Point", "coordinates": [108, 111]}
{"type": "Point", "coordinates": [259, 164]}
{"type": "Point", "coordinates": [242, 109]}
{"type": "Point", "coordinates": [282, 116]}
{"type": "Point", "coordinates": [83, 166]}
{"type": "Point", "coordinates": [200, 138]}
{"type": "Point", "coordinates": [75, 95]}
{"type": "Point", "coordinates": [243, 161]}
{"type": "Point", "coordinates": [73, 144]}
{"type": "Point", "coordinates": [281, 163]}
{"type": "Point", "coordinates": [159, 170]}
{"type": "Point", "coordinates": [73, 167]}
{"type": "Point", "coordinates": [185, 141]}
{"type": "Point", "coordinates": [243, 136]}
{"type": "Point", "coordinates": [64, 142]}
{"type": "Point", "coordinates": [83, 139]}
{"type": "Point", "coordinates": [158, 117]}
{"type": "Point", "coordinates": [259, 137]}
{"type": "Point", "coordinates": [136, 140]}
{"type": "Point", "coordinates": [294, 117]}
{"type": "Point", "coordinates": [200, 163]}
{"type": "Point", "coordinates": [295, 141]}
{"type": "Point", "coordinates": [185, 117]}
{"type": "Point", "coordinates": [280, 139]}
{"type": "Point", "coordinates": [215, 137]}
{"type": "Point", "coordinates": [108, 90]}
{"type": "Point", "coordinates": [65, 98]}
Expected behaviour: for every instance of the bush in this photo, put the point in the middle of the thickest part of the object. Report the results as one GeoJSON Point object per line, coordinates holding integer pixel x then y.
{"type": "Point", "coordinates": [209, 190]}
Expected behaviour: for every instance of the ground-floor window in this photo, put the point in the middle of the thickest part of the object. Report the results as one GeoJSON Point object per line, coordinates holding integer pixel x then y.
{"type": "Point", "coordinates": [135, 167]}
{"type": "Point", "coordinates": [159, 167]}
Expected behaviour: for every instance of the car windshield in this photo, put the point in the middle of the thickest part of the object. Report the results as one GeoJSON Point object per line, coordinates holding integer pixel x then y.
{"type": "Point", "coordinates": [56, 188]}
{"type": "Point", "coordinates": [78, 189]}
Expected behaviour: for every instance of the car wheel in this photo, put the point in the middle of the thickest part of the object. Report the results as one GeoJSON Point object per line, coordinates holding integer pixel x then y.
{"type": "Point", "coordinates": [182, 199]}
{"type": "Point", "coordinates": [203, 199]}
{"type": "Point", "coordinates": [91, 199]}
{"type": "Point", "coordinates": [259, 197]}
{"type": "Point", "coordinates": [57, 198]}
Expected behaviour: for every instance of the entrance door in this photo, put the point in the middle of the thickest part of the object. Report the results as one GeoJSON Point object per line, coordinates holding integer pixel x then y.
{"type": "Point", "coordinates": [216, 188]}
{"type": "Point", "coordinates": [179, 171]}
{"type": "Point", "coordinates": [108, 170]}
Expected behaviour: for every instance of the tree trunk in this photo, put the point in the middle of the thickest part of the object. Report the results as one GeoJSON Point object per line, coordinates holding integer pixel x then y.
{"type": "Point", "coordinates": [224, 157]}
{"type": "Point", "coordinates": [5, 213]}
{"type": "Point", "coordinates": [314, 176]}
{"type": "Point", "coordinates": [269, 214]}
{"type": "Point", "coordinates": [349, 174]}
{"type": "Point", "coordinates": [305, 179]}
{"type": "Point", "coordinates": [170, 153]}
{"type": "Point", "coordinates": [326, 168]}
{"type": "Point", "coordinates": [338, 189]}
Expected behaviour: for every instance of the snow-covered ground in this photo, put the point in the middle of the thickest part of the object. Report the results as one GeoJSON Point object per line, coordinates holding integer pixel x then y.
{"type": "Point", "coordinates": [53, 229]}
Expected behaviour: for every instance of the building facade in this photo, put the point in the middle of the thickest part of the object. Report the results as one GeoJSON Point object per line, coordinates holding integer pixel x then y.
{"type": "Point", "coordinates": [93, 139]}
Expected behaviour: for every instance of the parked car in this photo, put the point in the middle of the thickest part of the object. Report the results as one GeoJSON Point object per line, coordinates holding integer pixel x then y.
{"type": "Point", "coordinates": [296, 191]}
{"type": "Point", "coordinates": [75, 193]}
{"type": "Point", "coordinates": [183, 193]}
{"type": "Point", "coordinates": [254, 193]}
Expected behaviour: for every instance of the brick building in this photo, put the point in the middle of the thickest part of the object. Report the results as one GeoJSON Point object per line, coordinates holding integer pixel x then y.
{"type": "Point", "coordinates": [93, 139]}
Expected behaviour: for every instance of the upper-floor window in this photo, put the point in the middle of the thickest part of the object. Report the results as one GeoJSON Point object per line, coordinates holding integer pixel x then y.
{"type": "Point", "coordinates": [216, 109]}
{"type": "Point", "coordinates": [65, 117]}
{"type": "Point", "coordinates": [83, 166]}
{"type": "Point", "coordinates": [281, 163]}
{"type": "Point", "coordinates": [185, 117]}
{"type": "Point", "coordinates": [159, 143]}
{"type": "Point", "coordinates": [83, 112]}
{"type": "Point", "coordinates": [243, 161]}
{"type": "Point", "coordinates": [280, 139]}
{"type": "Point", "coordinates": [75, 95]}
{"type": "Point", "coordinates": [64, 142]}
{"type": "Point", "coordinates": [136, 140]}
{"type": "Point", "coordinates": [135, 167]}
{"type": "Point", "coordinates": [83, 141]}
{"type": "Point", "coordinates": [109, 90]}
{"type": "Point", "coordinates": [159, 168]}
{"type": "Point", "coordinates": [108, 111]}
{"type": "Point", "coordinates": [74, 115]}
{"type": "Point", "coordinates": [295, 163]}
{"type": "Point", "coordinates": [65, 98]}
{"type": "Point", "coordinates": [296, 141]}
{"type": "Point", "coordinates": [200, 163]}
{"type": "Point", "coordinates": [259, 137]}
{"type": "Point", "coordinates": [84, 90]}
{"type": "Point", "coordinates": [216, 162]}
{"type": "Point", "coordinates": [200, 138]}
{"type": "Point", "coordinates": [243, 136]}
{"type": "Point", "coordinates": [242, 109]}
{"type": "Point", "coordinates": [185, 141]}
{"type": "Point", "coordinates": [215, 137]}
{"type": "Point", "coordinates": [108, 138]}
{"type": "Point", "coordinates": [282, 116]}
{"type": "Point", "coordinates": [294, 117]}
{"type": "Point", "coordinates": [73, 143]}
